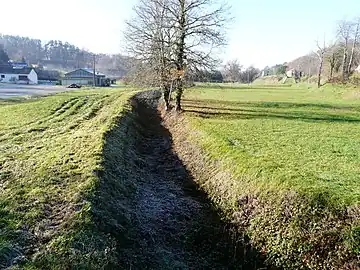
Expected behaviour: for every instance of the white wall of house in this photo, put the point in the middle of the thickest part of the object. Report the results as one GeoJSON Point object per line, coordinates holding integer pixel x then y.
{"type": "Point", "coordinates": [15, 78]}
{"type": "Point", "coordinates": [289, 73]}
{"type": "Point", "coordinates": [9, 78]}
{"type": "Point", "coordinates": [358, 69]}
{"type": "Point", "coordinates": [69, 81]}
{"type": "Point", "coordinates": [33, 77]}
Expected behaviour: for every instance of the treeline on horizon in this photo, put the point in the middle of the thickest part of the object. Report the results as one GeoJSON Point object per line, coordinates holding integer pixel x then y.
{"type": "Point", "coordinates": [56, 54]}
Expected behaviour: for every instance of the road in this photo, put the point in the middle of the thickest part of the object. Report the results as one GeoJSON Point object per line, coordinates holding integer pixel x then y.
{"type": "Point", "coordinates": [14, 90]}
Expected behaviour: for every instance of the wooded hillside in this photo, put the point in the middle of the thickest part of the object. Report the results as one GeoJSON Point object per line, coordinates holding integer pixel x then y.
{"type": "Point", "coordinates": [340, 56]}
{"type": "Point", "coordinates": [57, 54]}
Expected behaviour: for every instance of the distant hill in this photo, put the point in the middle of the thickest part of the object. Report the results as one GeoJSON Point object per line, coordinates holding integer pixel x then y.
{"type": "Point", "coordinates": [60, 55]}
{"type": "Point", "coordinates": [310, 63]}
{"type": "Point", "coordinates": [4, 58]}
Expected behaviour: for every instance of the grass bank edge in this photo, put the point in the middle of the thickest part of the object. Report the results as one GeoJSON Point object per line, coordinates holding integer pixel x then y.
{"type": "Point", "coordinates": [296, 231]}
{"type": "Point", "coordinates": [82, 244]}
{"type": "Point", "coordinates": [79, 242]}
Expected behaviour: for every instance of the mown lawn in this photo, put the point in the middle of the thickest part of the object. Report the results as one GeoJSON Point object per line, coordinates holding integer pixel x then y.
{"type": "Point", "coordinates": [50, 151]}
{"type": "Point", "coordinates": [284, 140]}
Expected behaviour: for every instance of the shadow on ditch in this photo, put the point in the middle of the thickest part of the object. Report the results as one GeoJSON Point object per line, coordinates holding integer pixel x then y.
{"type": "Point", "coordinates": [150, 205]}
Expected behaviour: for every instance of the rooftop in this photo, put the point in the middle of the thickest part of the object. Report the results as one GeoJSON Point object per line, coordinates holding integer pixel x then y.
{"type": "Point", "coordinates": [90, 70]}
{"type": "Point", "coordinates": [5, 69]}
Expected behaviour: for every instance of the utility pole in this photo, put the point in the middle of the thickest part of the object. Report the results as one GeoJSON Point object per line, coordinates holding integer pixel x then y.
{"type": "Point", "coordinates": [94, 75]}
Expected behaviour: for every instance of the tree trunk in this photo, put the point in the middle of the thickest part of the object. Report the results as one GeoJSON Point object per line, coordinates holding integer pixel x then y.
{"type": "Point", "coordinates": [331, 72]}
{"type": "Point", "coordinates": [167, 97]}
{"type": "Point", "coordinates": [332, 61]}
{"type": "Point", "coordinates": [353, 48]}
{"type": "Point", "coordinates": [344, 71]}
{"type": "Point", "coordinates": [320, 71]}
{"type": "Point", "coordinates": [351, 59]}
{"type": "Point", "coordinates": [180, 55]}
{"type": "Point", "coordinates": [179, 92]}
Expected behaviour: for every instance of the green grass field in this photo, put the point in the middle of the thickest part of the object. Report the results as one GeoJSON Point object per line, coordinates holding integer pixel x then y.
{"type": "Point", "coordinates": [286, 170]}
{"type": "Point", "coordinates": [276, 141]}
{"type": "Point", "coordinates": [50, 149]}
{"type": "Point", "coordinates": [283, 138]}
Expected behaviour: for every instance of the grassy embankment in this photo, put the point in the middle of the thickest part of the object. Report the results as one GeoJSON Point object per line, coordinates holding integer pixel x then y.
{"type": "Point", "coordinates": [51, 149]}
{"type": "Point", "coordinates": [291, 152]}
{"type": "Point", "coordinates": [293, 155]}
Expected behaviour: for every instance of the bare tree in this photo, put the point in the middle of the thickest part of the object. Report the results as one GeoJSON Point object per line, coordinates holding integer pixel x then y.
{"type": "Point", "coordinates": [321, 50]}
{"type": "Point", "coordinates": [249, 75]}
{"type": "Point", "coordinates": [344, 33]}
{"type": "Point", "coordinates": [176, 37]}
{"type": "Point", "coordinates": [355, 40]}
{"type": "Point", "coordinates": [232, 71]}
{"type": "Point", "coordinates": [149, 38]}
{"type": "Point", "coordinates": [333, 56]}
{"type": "Point", "coordinates": [200, 29]}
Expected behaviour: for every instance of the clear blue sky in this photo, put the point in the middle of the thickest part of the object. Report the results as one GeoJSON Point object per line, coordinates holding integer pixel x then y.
{"type": "Point", "coordinates": [265, 32]}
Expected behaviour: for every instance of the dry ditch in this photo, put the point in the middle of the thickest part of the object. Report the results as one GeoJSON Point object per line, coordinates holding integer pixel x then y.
{"type": "Point", "coordinates": [168, 222]}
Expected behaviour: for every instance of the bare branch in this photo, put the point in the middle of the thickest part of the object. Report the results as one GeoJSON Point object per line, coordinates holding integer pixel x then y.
{"type": "Point", "coordinates": [175, 37]}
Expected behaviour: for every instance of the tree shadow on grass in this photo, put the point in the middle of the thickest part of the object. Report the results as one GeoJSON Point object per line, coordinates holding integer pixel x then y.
{"type": "Point", "coordinates": [149, 202]}
{"type": "Point", "coordinates": [252, 110]}
{"type": "Point", "coordinates": [241, 86]}
{"type": "Point", "coordinates": [232, 105]}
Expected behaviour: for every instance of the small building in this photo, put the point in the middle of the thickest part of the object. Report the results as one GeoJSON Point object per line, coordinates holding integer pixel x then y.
{"type": "Point", "coordinates": [84, 76]}
{"type": "Point", "coordinates": [357, 69]}
{"type": "Point", "coordinates": [8, 74]}
{"type": "Point", "coordinates": [294, 73]}
{"type": "Point", "coordinates": [49, 77]}
{"type": "Point", "coordinates": [290, 73]}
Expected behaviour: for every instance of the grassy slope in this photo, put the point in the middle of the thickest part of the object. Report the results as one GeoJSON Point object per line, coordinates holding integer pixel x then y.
{"type": "Point", "coordinates": [280, 140]}
{"type": "Point", "coordinates": [50, 148]}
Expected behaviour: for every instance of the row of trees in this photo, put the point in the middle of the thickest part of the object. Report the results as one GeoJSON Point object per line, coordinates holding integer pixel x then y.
{"type": "Point", "coordinates": [22, 47]}
{"type": "Point", "coordinates": [234, 72]}
{"type": "Point", "coordinates": [348, 34]}
{"type": "Point", "coordinates": [279, 69]}
{"type": "Point", "coordinates": [208, 76]}
{"type": "Point", "coordinates": [343, 52]}
{"type": "Point", "coordinates": [337, 58]}
{"type": "Point", "coordinates": [33, 50]}
{"type": "Point", "coordinates": [172, 40]}
{"type": "Point", "coordinates": [4, 58]}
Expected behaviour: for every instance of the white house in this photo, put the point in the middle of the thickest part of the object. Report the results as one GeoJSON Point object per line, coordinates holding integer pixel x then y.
{"type": "Point", "coordinates": [18, 76]}
{"type": "Point", "coordinates": [290, 73]}
{"type": "Point", "coordinates": [357, 69]}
